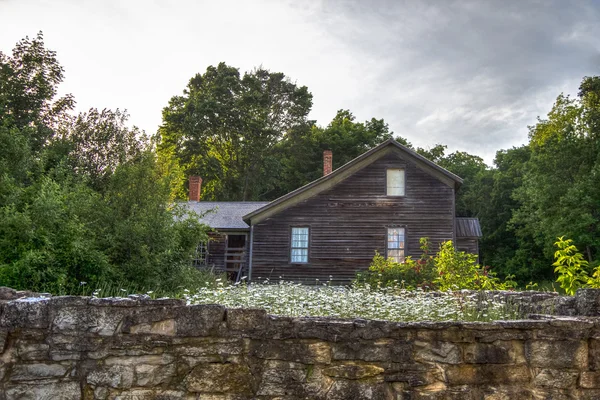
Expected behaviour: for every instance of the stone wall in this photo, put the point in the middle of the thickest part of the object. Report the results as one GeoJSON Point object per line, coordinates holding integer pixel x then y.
{"type": "Point", "coordinates": [136, 348]}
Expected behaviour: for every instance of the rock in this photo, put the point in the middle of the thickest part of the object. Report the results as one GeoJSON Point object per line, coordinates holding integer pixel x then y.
{"type": "Point", "coordinates": [246, 319]}
{"type": "Point", "coordinates": [468, 374]}
{"type": "Point", "coordinates": [166, 327]}
{"type": "Point", "coordinates": [353, 371]}
{"type": "Point", "coordinates": [26, 313]}
{"type": "Point", "coordinates": [557, 354]}
{"type": "Point", "coordinates": [439, 352]}
{"type": "Point", "coordinates": [555, 378]}
{"type": "Point", "coordinates": [358, 390]}
{"type": "Point", "coordinates": [292, 350]}
{"type": "Point", "coordinates": [28, 372]}
{"type": "Point", "coordinates": [588, 302]}
{"type": "Point", "coordinates": [499, 352]}
{"type": "Point", "coordinates": [379, 350]}
{"type": "Point", "coordinates": [220, 378]}
{"type": "Point", "coordinates": [115, 376]}
{"type": "Point", "coordinates": [48, 391]}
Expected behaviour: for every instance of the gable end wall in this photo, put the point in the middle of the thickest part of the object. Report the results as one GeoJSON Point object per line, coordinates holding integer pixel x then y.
{"type": "Point", "coordinates": [349, 221]}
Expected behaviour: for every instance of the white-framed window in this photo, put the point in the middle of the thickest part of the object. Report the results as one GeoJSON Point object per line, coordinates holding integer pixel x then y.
{"type": "Point", "coordinates": [395, 182]}
{"type": "Point", "coordinates": [395, 244]}
{"type": "Point", "coordinates": [201, 255]}
{"type": "Point", "coordinates": [299, 245]}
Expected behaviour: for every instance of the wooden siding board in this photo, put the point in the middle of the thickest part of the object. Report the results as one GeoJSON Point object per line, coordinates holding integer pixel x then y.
{"type": "Point", "coordinates": [349, 222]}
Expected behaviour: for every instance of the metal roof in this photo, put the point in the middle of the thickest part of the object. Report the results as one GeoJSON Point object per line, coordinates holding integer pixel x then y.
{"type": "Point", "coordinates": [468, 227]}
{"type": "Point", "coordinates": [224, 214]}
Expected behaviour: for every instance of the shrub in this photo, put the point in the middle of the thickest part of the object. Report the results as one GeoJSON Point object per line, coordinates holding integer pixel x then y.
{"type": "Point", "coordinates": [459, 270]}
{"type": "Point", "coordinates": [411, 274]}
{"type": "Point", "coordinates": [449, 269]}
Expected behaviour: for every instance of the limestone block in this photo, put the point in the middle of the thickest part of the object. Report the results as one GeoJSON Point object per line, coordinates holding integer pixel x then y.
{"type": "Point", "coordinates": [313, 385]}
{"type": "Point", "coordinates": [27, 372]}
{"type": "Point", "coordinates": [246, 319]}
{"type": "Point", "coordinates": [25, 313]}
{"type": "Point", "coordinates": [48, 391]}
{"type": "Point", "coordinates": [557, 354]}
{"type": "Point", "coordinates": [590, 380]}
{"type": "Point", "coordinates": [154, 375]}
{"type": "Point", "coordinates": [115, 376]}
{"type": "Point", "coordinates": [438, 352]}
{"type": "Point", "coordinates": [220, 378]}
{"type": "Point", "coordinates": [154, 359]}
{"type": "Point", "coordinates": [199, 320]}
{"type": "Point", "coordinates": [499, 352]}
{"type": "Point", "coordinates": [353, 371]}
{"type": "Point", "coordinates": [292, 350]}
{"type": "Point", "coordinates": [212, 346]}
{"type": "Point", "coordinates": [378, 350]}
{"type": "Point", "coordinates": [478, 374]}
{"type": "Point", "coordinates": [358, 390]}
{"type": "Point", "coordinates": [588, 302]}
{"type": "Point", "coordinates": [166, 327]}
{"type": "Point", "coordinates": [324, 329]}
{"type": "Point", "coordinates": [32, 351]}
{"type": "Point", "coordinates": [555, 378]}
{"type": "Point", "coordinates": [101, 320]}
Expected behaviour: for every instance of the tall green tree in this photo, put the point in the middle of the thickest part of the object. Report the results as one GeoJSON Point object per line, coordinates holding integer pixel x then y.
{"type": "Point", "coordinates": [82, 199]}
{"type": "Point", "coordinates": [225, 127]}
{"type": "Point", "coordinates": [560, 195]}
{"type": "Point", "coordinates": [300, 153]}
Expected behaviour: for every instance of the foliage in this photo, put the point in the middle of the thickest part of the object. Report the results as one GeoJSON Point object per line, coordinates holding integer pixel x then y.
{"type": "Point", "coordinates": [391, 304]}
{"type": "Point", "coordinates": [411, 274]}
{"type": "Point", "coordinates": [82, 199]}
{"type": "Point", "coordinates": [225, 127]}
{"type": "Point", "coordinates": [571, 267]}
{"type": "Point", "coordinates": [449, 269]}
{"type": "Point", "coordinates": [300, 153]}
{"type": "Point", "coordinates": [459, 270]}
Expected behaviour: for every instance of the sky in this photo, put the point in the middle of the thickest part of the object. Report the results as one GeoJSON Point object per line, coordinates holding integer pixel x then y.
{"type": "Point", "coordinates": [469, 74]}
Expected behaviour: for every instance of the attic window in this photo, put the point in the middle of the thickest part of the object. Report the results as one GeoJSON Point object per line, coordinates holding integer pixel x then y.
{"type": "Point", "coordinates": [395, 182]}
{"type": "Point", "coordinates": [395, 244]}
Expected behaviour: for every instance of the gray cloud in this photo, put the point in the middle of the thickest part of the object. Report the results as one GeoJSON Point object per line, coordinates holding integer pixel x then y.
{"type": "Point", "coordinates": [469, 74]}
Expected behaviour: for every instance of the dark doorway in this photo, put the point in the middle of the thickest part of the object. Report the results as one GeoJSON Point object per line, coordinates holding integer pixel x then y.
{"type": "Point", "coordinates": [235, 256]}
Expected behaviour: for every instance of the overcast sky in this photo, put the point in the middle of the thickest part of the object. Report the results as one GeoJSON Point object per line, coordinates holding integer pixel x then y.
{"type": "Point", "coordinates": [469, 74]}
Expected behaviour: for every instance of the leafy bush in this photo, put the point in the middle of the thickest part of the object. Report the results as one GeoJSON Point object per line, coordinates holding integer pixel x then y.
{"type": "Point", "coordinates": [449, 269]}
{"type": "Point", "coordinates": [459, 270]}
{"type": "Point", "coordinates": [411, 274]}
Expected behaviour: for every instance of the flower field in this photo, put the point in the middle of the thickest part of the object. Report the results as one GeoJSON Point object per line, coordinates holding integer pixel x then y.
{"type": "Point", "coordinates": [392, 304]}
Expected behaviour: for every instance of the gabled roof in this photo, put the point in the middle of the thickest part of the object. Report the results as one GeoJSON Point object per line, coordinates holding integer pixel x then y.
{"type": "Point", "coordinates": [468, 228]}
{"type": "Point", "coordinates": [224, 214]}
{"type": "Point", "coordinates": [348, 169]}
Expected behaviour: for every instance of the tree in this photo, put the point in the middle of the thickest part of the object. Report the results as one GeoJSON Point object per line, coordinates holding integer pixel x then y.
{"type": "Point", "coordinates": [225, 128]}
{"type": "Point", "coordinates": [301, 151]}
{"type": "Point", "coordinates": [560, 194]}
{"type": "Point", "coordinates": [82, 199]}
{"type": "Point", "coordinates": [97, 142]}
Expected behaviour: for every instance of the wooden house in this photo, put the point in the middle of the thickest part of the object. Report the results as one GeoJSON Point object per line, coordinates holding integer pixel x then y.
{"type": "Point", "coordinates": [385, 200]}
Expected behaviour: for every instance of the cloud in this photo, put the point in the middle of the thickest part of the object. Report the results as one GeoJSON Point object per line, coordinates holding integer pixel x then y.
{"type": "Point", "coordinates": [469, 74]}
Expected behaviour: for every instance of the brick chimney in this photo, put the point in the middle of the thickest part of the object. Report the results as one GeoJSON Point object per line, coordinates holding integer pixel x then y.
{"type": "Point", "coordinates": [327, 162]}
{"type": "Point", "coordinates": [195, 188]}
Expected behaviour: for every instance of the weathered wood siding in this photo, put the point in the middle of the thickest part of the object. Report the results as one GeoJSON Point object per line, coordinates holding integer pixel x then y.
{"type": "Point", "coordinates": [348, 223]}
{"type": "Point", "coordinates": [216, 250]}
{"type": "Point", "coordinates": [470, 245]}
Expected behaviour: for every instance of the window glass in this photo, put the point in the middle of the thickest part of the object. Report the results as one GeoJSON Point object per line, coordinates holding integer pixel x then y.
{"type": "Point", "coordinates": [395, 182]}
{"type": "Point", "coordinates": [299, 245]}
{"type": "Point", "coordinates": [395, 244]}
